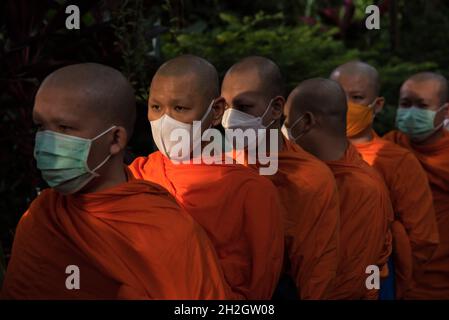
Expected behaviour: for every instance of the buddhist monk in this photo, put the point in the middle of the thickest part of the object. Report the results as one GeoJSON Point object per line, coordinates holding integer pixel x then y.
{"type": "Point", "coordinates": [415, 231]}
{"type": "Point", "coordinates": [239, 209]}
{"type": "Point", "coordinates": [365, 208]}
{"type": "Point", "coordinates": [98, 233]}
{"type": "Point", "coordinates": [306, 185]}
{"type": "Point", "coordinates": [423, 108]}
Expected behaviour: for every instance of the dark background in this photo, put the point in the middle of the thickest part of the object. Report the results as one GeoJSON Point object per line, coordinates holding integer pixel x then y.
{"type": "Point", "coordinates": [306, 38]}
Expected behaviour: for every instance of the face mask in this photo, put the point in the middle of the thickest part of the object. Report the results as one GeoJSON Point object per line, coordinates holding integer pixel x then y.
{"type": "Point", "coordinates": [358, 118]}
{"type": "Point", "coordinates": [288, 131]}
{"type": "Point", "coordinates": [236, 119]}
{"type": "Point", "coordinates": [446, 124]}
{"type": "Point", "coordinates": [165, 125]}
{"type": "Point", "coordinates": [416, 122]}
{"type": "Point", "coordinates": [62, 160]}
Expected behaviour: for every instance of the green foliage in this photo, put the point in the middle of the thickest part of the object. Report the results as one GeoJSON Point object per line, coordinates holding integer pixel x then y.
{"type": "Point", "coordinates": [301, 51]}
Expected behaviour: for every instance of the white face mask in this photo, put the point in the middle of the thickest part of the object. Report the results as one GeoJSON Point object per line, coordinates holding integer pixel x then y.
{"type": "Point", "coordinates": [163, 127]}
{"type": "Point", "coordinates": [236, 119]}
{"type": "Point", "coordinates": [288, 131]}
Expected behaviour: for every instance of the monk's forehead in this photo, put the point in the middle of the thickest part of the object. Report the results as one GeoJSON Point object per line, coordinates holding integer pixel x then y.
{"type": "Point", "coordinates": [248, 80]}
{"type": "Point", "coordinates": [427, 89]}
{"type": "Point", "coordinates": [185, 86]}
{"type": "Point", "coordinates": [361, 82]}
{"type": "Point", "coordinates": [68, 103]}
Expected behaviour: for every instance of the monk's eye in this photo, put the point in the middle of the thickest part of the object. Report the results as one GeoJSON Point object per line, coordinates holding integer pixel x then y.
{"type": "Point", "coordinates": [243, 107]}
{"type": "Point", "coordinates": [155, 107]}
{"type": "Point", "coordinates": [404, 104]}
{"type": "Point", "coordinates": [180, 109]}
{"type": "Point", "coordinates": [64, 128]}
{"type": "Point", "coordinates": [357, 97]}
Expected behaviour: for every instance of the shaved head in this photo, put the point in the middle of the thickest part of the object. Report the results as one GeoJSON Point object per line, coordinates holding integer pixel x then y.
{"type": "Point", "coordinates": [96, 90]}
{"type": "Point", "coordinates": [268, 72]}
{"type": "Point", "coordinates": [361, 70]}
{"type": "Point", "coordinates": [201, 74]}
{"type": "Point", "coordinates": [325, 99]}
{"type": "Point", "coordinates": [443, 89]}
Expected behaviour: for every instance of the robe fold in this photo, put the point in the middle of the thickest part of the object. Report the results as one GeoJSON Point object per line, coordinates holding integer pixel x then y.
{"type": "Point", "coordinates": [433, 283]}
{"type": "Point", "coordinates": [365, 218]}
{"type": "Point", "coordinates": [312, 222]}
{"type": "Point", "coordinates": [411, 197]}
{"type": "Point", "coordinates": [240, 212]}
{"type": "Point", "coordinates": [130, 241]}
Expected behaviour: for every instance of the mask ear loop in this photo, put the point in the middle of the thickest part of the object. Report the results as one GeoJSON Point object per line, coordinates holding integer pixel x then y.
{"type": "Point", "coordinates": [105, 160]}
{"type": "Point", "coordinates": [371, 106]}
{"type": "Point", "coordinates": [162, 140]}
{"type": "Point", "coordinates": [207, 113]}
{"type": "Point", "coordinates": [266, 111]}
{"type": "Point", "coordinates": [294, 124]}
{"type": "Point", "coordinates": [445, 121]}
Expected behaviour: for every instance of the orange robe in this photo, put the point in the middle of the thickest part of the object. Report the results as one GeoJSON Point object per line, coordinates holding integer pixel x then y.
{"type": "Point", "coordinates": [312, 220]}
{"type": "Point", "coordinates": [366, 215]}
{"type": "Point", "coordinates": [239, 210]}
{"type": "Point", "coordinates": [412, 204]}
{"type": "Point", "coordinates": [131, 241]}
{"type": "Point", "coordinates": [434, 158]}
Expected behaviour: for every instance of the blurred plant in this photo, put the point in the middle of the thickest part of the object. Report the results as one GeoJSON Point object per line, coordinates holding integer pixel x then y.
{"type": "Point", "coordinates": [301, 51]}
{"type": "Point", "coordinates": [33, 43]}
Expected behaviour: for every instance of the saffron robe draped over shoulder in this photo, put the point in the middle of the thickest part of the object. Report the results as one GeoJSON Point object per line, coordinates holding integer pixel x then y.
{"type": "Point", "coordinates": [433, 283]}
{"type": "Point", "coordinates": [131, 241]}
{"type": "Point", "coordinates": [239, 210]}
{"type": "Point", "coordinates": [412, 202]}
{"type": "Point", "coordinates": [366, 216]}
{"type": "Point", "coordinates": [312, 220]}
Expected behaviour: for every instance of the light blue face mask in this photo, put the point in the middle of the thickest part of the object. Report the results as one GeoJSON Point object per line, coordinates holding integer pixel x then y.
{"type": "Point", "coordinates": [62, 160]}
{"type": "Point", "coordinates": [416, 122]}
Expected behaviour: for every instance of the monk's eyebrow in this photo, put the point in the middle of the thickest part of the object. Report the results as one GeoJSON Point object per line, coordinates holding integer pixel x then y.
{"type": "Point", "coordinates": [356, 92]}
{"type": "Point", "coordinates": [241, 100]}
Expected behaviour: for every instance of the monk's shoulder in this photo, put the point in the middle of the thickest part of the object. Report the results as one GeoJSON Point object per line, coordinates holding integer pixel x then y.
{"type": "Point", "coordinates": [240, 176]}
{"type": "Point", "coordinates": [362, 179]}
{"type": "Point", "coordinates": [38, 210]}
{"type": "Point", "coordinates": [397, 137]}
{"type": "Point", "coordinates": [310, 173]}
{"type": "Point", "coordinates": [143, 163]}
{"type": "Point", "coordinates": [156, 210]}
{"type": "Point", "coordinates": [394, 155]}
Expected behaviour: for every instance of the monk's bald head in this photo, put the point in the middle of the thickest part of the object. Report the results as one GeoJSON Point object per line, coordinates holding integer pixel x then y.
{"type": "Point", "coordinates": [265, 70]}
{"type": "Point", "coordinates": [360, 72]}
{"type": "Point", "coordinates": [325, 99]}
{"type": "Point", "coordinates": [94, 90]}
{"type": "Point", "coordinates": [201, 74]}
{"type": "Point", "coordinates": [437, 81]}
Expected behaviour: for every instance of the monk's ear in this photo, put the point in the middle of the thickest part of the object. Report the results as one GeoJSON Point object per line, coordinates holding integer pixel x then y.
{"type": "Point", "coordinates": [119, 140]}
{"type": "Point", "coordinates": [308, 122]}
{"type": "Point", "coordinates": [379, 105]}
{"type": "Point", "coordinates": [277, 107]}
{"type": "Point", "coordinates": [217, 110]}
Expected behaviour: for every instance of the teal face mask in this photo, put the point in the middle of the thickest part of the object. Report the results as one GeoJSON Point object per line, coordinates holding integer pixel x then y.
{"type": "Point", "coordinates": [416, 122]}
{"type": "Point", "coordinates": [62, 160]}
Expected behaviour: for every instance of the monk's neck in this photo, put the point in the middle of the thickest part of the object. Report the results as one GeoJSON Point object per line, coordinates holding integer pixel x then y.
{"type": "Point", "coordinates": [334, 150]}
{"type": "Point", "coordinates": [432, 139]}
{"type": "Point", "coordinates": [327, 148]}
{"type": "Point", "coordinates": [363, 137]}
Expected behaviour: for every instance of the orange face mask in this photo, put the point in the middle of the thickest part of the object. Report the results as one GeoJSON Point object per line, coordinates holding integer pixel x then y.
{"type": "Point", "coordinates": [358, 118]}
